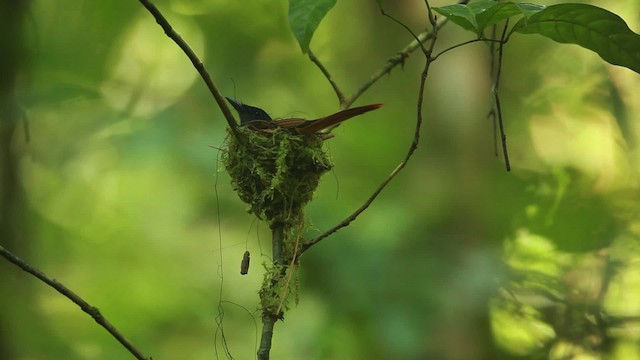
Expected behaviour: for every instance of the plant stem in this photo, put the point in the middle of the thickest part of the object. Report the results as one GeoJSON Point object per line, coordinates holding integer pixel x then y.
{"type": "Point", "coordinates": [268, 321]}
{"type": "Point", "coordinates": [269, 318]}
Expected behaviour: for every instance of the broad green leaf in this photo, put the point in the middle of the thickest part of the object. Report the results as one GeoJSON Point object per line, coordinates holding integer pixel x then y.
{"type": "Point", "coordinates": [504, 10]}
{"type": "Point", "coordinates": [477, 16]}
{"type": "Point", "coordinates": [464, 15]}
{"type": "Point", "coordinates": [590, 27]}
{"type": "Point", "coordinates": [304, 18]}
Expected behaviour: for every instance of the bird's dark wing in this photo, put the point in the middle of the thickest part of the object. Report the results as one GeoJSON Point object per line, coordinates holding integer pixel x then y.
{"type": "Point", "coordinates": [291, 122]}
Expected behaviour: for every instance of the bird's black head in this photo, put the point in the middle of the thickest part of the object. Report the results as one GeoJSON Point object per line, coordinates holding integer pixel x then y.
{"type": "Point", "coordinates": [248, 113]}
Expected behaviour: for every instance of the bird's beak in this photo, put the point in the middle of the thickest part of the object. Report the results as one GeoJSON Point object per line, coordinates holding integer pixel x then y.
{"type": "Point", "coordinates": [236, 105]}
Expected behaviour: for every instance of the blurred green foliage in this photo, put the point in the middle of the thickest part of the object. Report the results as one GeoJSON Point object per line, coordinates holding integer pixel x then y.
{"type": "Point", "coordinates": [126, 203]}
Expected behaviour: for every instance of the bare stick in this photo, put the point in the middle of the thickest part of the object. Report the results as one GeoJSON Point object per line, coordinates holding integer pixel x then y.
{"type": "Point", "coordinates": [394, 61]}
{"type": "Point", "coordinates": [268, 322]}
{"type": "Point", "coordinates": [410, 152]}
{"type": "Point", "coordinates": [327, 75]}
{"type": "Point", "coordinates": [164, 23]}
{"type": "Point", "coordinates": [86, 307]}
{"type": "Point", "coordinates": [220, 316]}
{"type": "Point", "coordinates": [492, 70]}
{"type": "Point", "coordinates": [492, 41]}
{"type": "Point", "coordinates": [496, 97]}
{"type": "Point", "coordinates": [400, 57]}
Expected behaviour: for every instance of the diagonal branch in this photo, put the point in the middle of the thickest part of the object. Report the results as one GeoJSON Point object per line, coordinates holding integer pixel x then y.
{"type": "Point", "coordinates": [86, 307]}
{"type": "Point", "coordinates": [412, 147]}
{"type": "Point", "coordinates": [496, 98]}
{"type": "Point", "coordinates": [394, 61]}
{"type": "Point", "coordinates": [164, 23]}
{"type": "Point", "coordinates": [327, 75]}
{"type": "Point", "coordinates": [400, 57]}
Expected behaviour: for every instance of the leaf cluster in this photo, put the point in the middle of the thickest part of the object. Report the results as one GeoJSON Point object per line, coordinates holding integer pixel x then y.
{"type": "Point", "coordinates": [585, 25]}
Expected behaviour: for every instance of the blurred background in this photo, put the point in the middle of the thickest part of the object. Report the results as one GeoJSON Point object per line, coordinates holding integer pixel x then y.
{"type": "Point", "coordinates": [115, 190]}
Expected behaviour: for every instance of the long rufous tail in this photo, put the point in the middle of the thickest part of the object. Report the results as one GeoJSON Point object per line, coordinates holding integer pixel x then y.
{"type": "Point", "coordinates": [316, 125]}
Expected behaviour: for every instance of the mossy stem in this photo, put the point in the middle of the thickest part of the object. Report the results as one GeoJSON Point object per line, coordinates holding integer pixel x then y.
{"type": "Point", "coordinates": [268, 317]}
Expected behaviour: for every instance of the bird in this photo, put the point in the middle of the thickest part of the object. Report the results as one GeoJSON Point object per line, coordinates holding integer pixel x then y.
{"type": "Point", "coordinates": [258, 119]}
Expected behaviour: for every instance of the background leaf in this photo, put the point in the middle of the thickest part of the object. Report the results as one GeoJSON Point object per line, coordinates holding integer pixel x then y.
{"type": "Point", "coordinates": [590, 27]}
{"type": "Point", "coordinates": [304, 18]}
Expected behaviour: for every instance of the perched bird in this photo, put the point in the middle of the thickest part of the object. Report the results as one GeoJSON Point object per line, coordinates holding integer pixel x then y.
{"type": "Point", "coordinates": [248, 113]}
{"type": "Point", "coordinates": [258, 119]}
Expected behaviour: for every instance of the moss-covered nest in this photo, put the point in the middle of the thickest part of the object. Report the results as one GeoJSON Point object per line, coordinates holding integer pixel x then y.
{"type": "Point", "coordinates": [275, 173]}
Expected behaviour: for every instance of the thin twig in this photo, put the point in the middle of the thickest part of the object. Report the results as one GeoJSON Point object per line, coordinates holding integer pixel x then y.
{"type": "Point", "coordinates": [86, 307]}
{"type": "Point", "coordinates": [412, 148]}
{"type": "Point", "coordinates": [492, 70]}
{"type": "Point", "coordinates": [220, 317]}
{"type": "Point", "coordinates": [492, 41]}
{"type": "Point", "coordinates": [255, 323]}
{"type": "Point", "coordinates": [496, 97]}
{"type": "Point", "coordinates": [416, 39]}
{"type": "Point", "coordinates": [399, 58]}
{"type": "Point", "coordinates": [464, 43]}
{"type": "Point", "coordinates": [164, 23]}
{"type": "Point", "coordinates": [327, 75]}
{"type": "Point", "coordinates": [394, 61]}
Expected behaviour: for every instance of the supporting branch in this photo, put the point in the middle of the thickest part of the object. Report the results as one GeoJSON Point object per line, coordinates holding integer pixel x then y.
{"type": "Point", "coordinates": [86, 307]}
{"type": "Point", "coordinates": [269, 316]}
{"type": "Point", "coordinates": [164, 23]}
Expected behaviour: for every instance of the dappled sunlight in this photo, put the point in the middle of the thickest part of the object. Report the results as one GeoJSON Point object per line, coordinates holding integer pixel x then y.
{"type": "Point", "coordinates": [565, 302]}
{"type": "Point", "coordinates": [588, 141]}
{"type": "Point", "coordinates": [149, 73]}
{"type": "Point", "coordinates": [519, 329]}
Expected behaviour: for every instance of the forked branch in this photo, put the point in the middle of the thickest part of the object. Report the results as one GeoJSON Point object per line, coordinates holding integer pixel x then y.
{"type": "Point", "coordinates": [392, 62]}
{"type": "Point", "coordinates": [416, 135]}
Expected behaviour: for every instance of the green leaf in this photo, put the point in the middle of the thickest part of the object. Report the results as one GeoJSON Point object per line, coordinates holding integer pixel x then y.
{"type": "Point", "coordinates": [504, 10]}
{"type": "Point", "coordinates": [590, 27]}
{"type": "Point", "coordinates": [304, 18]}
{"type": "Point", "coordinates": [465, 15]}
{"type": "Point", "coordinates": [479, 15]}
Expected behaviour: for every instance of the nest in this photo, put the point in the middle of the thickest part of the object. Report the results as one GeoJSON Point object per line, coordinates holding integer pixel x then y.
{"type": "Point", "coordinates": [275, 173]}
